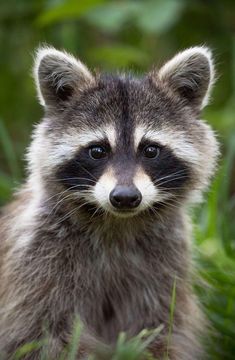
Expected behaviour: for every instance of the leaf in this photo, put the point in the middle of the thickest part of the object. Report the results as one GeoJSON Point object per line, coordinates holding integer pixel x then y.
{"type": "Point", "coordinates": [69, 9]}
{"type": "Point", "coordinates": [150, 335]}
{"type": "Point", "coordinates": [73, 348]}
{"type": "Point", "coordinates": [159, 15]}
{"type": "Point", "coordinates": [26, 349]}
{"type": "Point", "coordinates": [135, 348]}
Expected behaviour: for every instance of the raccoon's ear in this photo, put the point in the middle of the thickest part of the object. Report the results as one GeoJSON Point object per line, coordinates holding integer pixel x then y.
{"type": "Point", "coordinates": [190, 74]}
{"type": "Point", "coordinates": [57, 75]}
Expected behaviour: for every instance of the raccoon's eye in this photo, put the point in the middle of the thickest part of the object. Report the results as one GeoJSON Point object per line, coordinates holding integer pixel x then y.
{"type": "Point", "coordinates": [151, 151]}
{"type": "Point", "coordinates": [97, 152]}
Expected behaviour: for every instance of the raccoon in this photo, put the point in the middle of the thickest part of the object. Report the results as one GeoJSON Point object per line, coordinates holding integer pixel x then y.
{"type": "Point", "coordinates": [100, 228]}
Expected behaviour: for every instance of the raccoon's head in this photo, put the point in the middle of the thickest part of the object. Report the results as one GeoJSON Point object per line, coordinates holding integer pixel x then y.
{"type": "Point", "coordinates": [123, 144]}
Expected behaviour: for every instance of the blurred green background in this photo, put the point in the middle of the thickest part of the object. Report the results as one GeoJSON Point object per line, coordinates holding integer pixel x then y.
{"type": "Point", "coordinates": [133, 35]}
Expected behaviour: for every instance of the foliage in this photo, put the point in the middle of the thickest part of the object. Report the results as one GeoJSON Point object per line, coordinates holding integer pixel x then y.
{"type": "Point", "coordinates": [133, 35]}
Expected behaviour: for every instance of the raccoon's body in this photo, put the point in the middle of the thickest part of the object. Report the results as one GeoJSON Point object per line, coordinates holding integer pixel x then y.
{"type": "Point", "coordinates": [100, 229]}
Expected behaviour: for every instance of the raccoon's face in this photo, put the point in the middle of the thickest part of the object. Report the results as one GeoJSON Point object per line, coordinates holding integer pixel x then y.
{"type": "Point", "coordinates": [120, 144]}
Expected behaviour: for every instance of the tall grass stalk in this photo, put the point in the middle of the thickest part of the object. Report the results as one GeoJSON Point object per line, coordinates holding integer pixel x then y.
{"type": "Point", "coordinates": [171, 320]}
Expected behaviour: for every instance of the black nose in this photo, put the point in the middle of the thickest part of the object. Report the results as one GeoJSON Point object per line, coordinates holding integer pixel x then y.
{"type": "Point", "coordinates": [125, 197]}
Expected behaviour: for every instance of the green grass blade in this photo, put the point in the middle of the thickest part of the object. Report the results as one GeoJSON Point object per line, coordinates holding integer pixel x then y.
{"type": "Point", "coordinates": [172, 311]}
{"type": "Point", "coordinates": [74, 345]}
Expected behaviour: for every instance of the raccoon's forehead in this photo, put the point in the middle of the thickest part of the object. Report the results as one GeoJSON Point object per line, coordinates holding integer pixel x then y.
{"type": "Point", "coordinates": [123, 104]}
{"type": "Point", "coordinates": [123, 112]}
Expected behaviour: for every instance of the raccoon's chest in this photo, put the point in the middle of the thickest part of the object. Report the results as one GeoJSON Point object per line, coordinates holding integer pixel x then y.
{"type": "Point", "coordinates": [122, 296]}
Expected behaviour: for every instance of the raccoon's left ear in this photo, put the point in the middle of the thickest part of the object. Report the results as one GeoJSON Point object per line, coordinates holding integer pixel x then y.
{"type": "Point", "coordinates": [190, 74]}
{"type": "Point", "coordinates": [58, 75]}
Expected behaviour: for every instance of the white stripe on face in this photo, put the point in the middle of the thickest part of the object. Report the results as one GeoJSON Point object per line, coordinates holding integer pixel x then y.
{"type": "Point", "coordinates": [176, 141]}
{"type": "Point", "coordinates": [145, 185]}
{"type": "Point", "coordinates": [107, 182]}
{"type": "Point", "coordinates": [50, 154]}
{"type": "Point", "coordinates": [106, 132]}
{"type": "Point", "coordinates": [103, 188]}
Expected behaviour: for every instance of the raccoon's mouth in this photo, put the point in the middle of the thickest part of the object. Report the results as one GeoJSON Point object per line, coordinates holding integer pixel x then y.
{"type": "Point", "coordinates": [124, 212]}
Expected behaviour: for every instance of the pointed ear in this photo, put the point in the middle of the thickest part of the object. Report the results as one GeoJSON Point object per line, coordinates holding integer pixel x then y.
{"type": "Point", "coordinates": [190, 74]}
{"type": "Point", "coordinates": [58, 75]}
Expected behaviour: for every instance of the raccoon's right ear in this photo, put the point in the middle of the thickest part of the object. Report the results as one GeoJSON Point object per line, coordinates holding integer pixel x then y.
{"type": "Point", "coordinates": [58, 75]}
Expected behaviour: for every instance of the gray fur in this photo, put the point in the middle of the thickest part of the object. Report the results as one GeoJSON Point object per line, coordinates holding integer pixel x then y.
{"type": "Point", "coordinates": [58, 261]}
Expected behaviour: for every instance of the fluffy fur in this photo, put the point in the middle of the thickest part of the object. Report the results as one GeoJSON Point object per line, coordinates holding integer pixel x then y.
{"type": "Point", "coordinates": [65, 250]}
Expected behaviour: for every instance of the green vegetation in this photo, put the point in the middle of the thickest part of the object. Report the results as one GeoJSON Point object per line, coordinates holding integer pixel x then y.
{"type": "Point", "coordinates": [125, 349]}
{"type": "Point", "coordinates": [133, 35]}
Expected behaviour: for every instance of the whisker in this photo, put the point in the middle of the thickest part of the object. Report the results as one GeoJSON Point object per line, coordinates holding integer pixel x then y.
{"type": "Point", "coordinates": [54, 209]}
{"type": "Point", "coordinates": [171, 188]}
{"type": "Point", "coordinates": [155, 212]}
{"type": "Point", "coordinates": [171, 179]}
{"type": "Point", "coordinates": [88, 172]}
{"type": "Point", "coordinates": [99, 208]}
{"type": "Point", "coordinates": [170, 203]}
{"type": "Point", "coordinates": [72, 212]}
{"type": "Point", "coordinates": [73, 178]}
{"type": "Point", "coordinates": [179, 172]}
{"type": "Point", "coordinates": [64, 191]}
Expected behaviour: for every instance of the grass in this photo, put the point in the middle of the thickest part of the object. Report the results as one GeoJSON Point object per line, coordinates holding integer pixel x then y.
{"type": "Point", "coordinates": [125, 349]}
{"type": "Point", "coordinates": [214, 248]}
{"type": "Point", "coordinates": [171, 320]}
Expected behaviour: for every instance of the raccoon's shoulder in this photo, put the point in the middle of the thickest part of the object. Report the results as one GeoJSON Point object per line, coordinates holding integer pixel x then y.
{"type": "Point", "coordinates": [11, 214]}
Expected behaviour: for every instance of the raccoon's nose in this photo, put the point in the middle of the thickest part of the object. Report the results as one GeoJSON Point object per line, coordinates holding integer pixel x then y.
{"type": "Point", "coordinates": [125, 197]}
